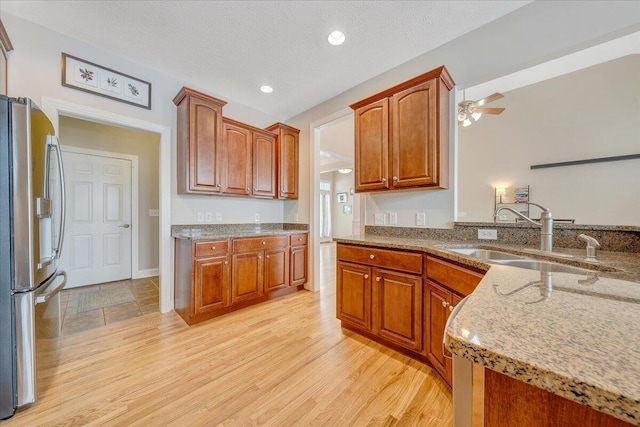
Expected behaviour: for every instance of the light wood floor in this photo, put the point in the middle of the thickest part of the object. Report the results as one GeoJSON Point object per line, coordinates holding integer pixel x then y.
{"type": "Point", "coordinates": [282, 363]}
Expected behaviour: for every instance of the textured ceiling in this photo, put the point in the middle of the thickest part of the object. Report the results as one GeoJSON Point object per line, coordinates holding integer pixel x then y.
{"type": "Point", "coordinates": [232, 47]}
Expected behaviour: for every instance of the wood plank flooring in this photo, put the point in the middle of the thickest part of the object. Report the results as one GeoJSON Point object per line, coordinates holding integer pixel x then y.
{"type": "Point", "coordinates": [281, 363]}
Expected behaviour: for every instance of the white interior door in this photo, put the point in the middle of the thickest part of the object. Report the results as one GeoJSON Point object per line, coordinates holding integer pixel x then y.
{"type": "Point", "coordinates": [97, 245]}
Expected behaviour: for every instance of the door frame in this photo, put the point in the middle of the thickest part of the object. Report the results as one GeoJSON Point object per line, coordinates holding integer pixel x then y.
{"type": "Point", "coordinates": [53, 108]}
{"type": "Point", "coordinates": [135, 272]}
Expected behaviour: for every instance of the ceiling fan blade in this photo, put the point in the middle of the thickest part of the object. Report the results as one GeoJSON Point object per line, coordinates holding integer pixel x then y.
{"type": "Point", "coordinates": [488, 110]}
{"type": "Point", "coordinates": [488, 99]}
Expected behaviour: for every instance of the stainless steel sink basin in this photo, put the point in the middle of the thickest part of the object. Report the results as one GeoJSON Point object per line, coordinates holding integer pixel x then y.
{"type": "Point", "coordinates": [534, 264]}
{"type": "Point", "coordinates": [485, 254]}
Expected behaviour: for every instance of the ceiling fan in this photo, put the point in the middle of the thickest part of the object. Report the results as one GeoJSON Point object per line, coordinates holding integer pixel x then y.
{"type": "Point", "coordinates": [471, 111]}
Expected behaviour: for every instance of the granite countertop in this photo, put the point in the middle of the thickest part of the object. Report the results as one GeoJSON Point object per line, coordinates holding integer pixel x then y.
{"type": "Point", "coordinates": [237, 234]}
{"type": "Point", "coordinates": [566, 333]}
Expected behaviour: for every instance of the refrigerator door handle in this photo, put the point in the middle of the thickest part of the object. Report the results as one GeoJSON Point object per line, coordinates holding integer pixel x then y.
{"type": "Point", "coordinates": [52, 141]}
{"type": "Point", "coordinates": [48, 293]}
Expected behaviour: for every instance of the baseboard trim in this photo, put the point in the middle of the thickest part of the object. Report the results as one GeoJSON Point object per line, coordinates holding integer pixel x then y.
{"type": "Point", "coordinates": [141, 274]}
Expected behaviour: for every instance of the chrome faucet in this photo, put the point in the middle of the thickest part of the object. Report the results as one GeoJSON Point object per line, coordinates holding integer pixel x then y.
{"type": "Point", "coordinates": [592, 247]}
{"type": "Point", "coordinates": [545, 224]}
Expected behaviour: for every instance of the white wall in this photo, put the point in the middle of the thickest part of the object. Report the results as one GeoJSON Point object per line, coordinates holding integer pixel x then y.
{"type": "Point", "coordinates": [342, 223]}
{"type": "Point", "coordinates": [586, 114]}
{"type": "Point", "coordinates": [145, 145]}
{"type": "Point", "coordinates": [34, 72]}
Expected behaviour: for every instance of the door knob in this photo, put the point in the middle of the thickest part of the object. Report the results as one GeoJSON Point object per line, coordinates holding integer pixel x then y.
{"type": "Point", "coordinates": [124, 226]}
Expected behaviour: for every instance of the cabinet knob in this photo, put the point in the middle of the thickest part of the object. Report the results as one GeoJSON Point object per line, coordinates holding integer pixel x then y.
{"type": "Point", "coordinates": [255, 189]}
{"type": "Point", "coordinates": [444, 303]}
{"type": "Point", "coordinates": [218, 185]}
{"type": "Point", "coordinates": [451, 307]}
{"type": "Point", "coordinates": [395, 178]}
{"type": "Point", "coordinates": [378, 278]}
{"type": "Point", "coordinates": [372, 256]}
{"type": "Point", "coordinates": [384, 179]}
{"type": "Point", "coordinates": [366, 276]}
{"type": "Point", "coordinates": [259, 257]}
{"type": "Point", "coordinates": [213, 248]}
{"type": "Point", "coordinates": [264, 243]}
{"type": "Point", "coordinates": [226, 262]}
{"type": "Point", "coordinates": [299, 239]}
{"type": "Point", "coordinates": [267, 257]}
{"type": "Point", "coordinates": [247, 188]}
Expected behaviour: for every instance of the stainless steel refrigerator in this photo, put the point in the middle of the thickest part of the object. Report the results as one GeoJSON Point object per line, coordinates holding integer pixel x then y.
{"type": "Point", "coordinates": [31, 235]}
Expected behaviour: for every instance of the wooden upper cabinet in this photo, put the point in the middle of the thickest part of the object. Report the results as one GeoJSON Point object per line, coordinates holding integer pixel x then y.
{"type": "Point", "coordinates": [413, 136]}
{"type": "Point", "coordinates": [199, 149]}
{"type": "Point", "coordinates": [264, 165]}
{"type": "Point", "coordinates": [402, 135]}
{"type": "Point", "coordinates": [236, 152]}
{"type": "Point", "coordinates": [288, 159]}
{"type": "Point", "coordinates": [372, 146]}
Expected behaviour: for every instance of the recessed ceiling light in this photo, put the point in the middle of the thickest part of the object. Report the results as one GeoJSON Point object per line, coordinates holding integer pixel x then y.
{"type": "Point", "coordinates": [336, 38]}
{"type": "Point", "coordinates": [266, 89]}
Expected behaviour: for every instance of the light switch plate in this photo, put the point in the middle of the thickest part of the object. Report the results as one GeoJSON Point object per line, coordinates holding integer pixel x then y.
{"type": "Point", "coordinates": [378, 219]}
{"type": "Point", "coordinates": [393, 218]}
{"type": "Point", "coordinates": [208, 216]}
{"type": "Point", "coordinates": [421, 219]}
{"type": "Point", "coordinates": [154, 212]}
{"type": "Point", "coordinates": [200, 217]}
{"type": "Point", "coordinates": [218, 216]}
{"type": "Point", "coordinates": [257, 217]}
{"type": "Point", "coordinates": [487, 234]}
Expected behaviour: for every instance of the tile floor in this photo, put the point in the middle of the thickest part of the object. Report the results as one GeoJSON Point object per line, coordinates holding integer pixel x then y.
{"type": "Point", "coordinates": [145, 292]}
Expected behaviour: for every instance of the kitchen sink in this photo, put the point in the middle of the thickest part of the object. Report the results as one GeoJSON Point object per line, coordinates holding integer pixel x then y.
{"type": "Point", "coordinates": [485, 254]}
{"type": "Point", "coordinates": [534, 264]}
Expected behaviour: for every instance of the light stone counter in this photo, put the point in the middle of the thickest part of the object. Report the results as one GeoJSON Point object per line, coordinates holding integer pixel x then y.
{"type": "Point", "coordinates": [578, 338]}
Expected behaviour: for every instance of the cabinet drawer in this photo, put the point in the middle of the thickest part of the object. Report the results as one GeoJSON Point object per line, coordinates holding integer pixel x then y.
{"type": "Point", "coordinates": [218, 247]}
{"type": "Point", "coordinates": [298, 239]}
{"type": "Point", "coordinates": [395, 260]}
{"type": "Point", "coordinates": [456, 278]}
{"type": "Point", "coordinates": [256, 243]}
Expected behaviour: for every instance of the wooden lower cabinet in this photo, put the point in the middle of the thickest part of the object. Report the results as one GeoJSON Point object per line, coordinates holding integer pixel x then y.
{"type": "Point", "coordinates": [216, 277]}
{"type": "Point", "coordinates": [212, 279]}
{"type": "Point", "coordinates": [397, 304]}
{"type": "Point", "coordinates": [401, 299]}
{"type": "Point", "coordinates": [276, 269]}
{"type": "Point", "coordinates": [353, 288]}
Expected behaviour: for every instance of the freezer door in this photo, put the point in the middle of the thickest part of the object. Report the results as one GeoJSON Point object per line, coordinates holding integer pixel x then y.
{"type": "Point", "coordinates": [35, 213]}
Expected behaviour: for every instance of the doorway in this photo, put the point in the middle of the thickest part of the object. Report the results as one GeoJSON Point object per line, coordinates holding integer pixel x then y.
{"type": "Point", "coordinates": [57, 109]}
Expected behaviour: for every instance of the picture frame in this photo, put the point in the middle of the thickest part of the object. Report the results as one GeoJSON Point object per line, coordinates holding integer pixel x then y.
{"type": "Point", "coordinates": [102, 81]}
{"type": "Point", "coordinates": [346, 209]}
{"type": "Point", "coordinates": [342, 197]}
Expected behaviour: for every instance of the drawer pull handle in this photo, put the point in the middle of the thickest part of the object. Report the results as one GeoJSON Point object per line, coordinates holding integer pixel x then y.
{"type": "Point", "coordinates": [372, 256]}
{"type": "Point", "coordinates": [213, 248]}
{"type": "Point", "coordinates": [384, 179]}
{"type": "Point", "coordinates": [378, 278]}
{"type": "Point", "coordinates": [366, 276]}
{"type": "Point", "coordinates": [395, 178]}
{"type": "Point", "coordinates": [299, 239]}
{"type": "Point", "coordinates": [264, 243]}
{"type": "Point", "coordinates": [444, 303]}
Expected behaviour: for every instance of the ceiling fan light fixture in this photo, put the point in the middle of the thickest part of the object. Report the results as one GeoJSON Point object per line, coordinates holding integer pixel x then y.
{"type": "Point", "coordinates": [476, 116]}
{"type": "Point", "coordinates": [345, 170]}
{"type": "Point", "coordinates": [466, 123]}
{"type": "Point", "coordinates": [266, 89]}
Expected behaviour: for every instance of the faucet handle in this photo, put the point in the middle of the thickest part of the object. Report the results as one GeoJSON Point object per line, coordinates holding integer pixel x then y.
{"type": "Point", "coordinates": [592, 247]}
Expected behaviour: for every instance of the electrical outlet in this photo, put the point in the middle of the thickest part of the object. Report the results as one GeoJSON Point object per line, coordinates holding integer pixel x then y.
{"type": "Point", "coordinates": [487, 234]}
{"type": "Point", "coordinates": [257, 217]}
{"type": "Point", "coordinates": [378, 219]}
{"type": "Point", "coordinates": [393, 218]}
{"type": "Point", "coordinates": [200, 216]}
{"type": "Point", "coordinates": [421, 219]}
{"type": "Point", "coordinates": [154, 212]}
{"type": "Point", "coordinates": [208, 216]}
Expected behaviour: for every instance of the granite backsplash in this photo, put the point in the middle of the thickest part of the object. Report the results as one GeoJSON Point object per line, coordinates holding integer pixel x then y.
{"type": "Point", "coordinates": [611, 238]}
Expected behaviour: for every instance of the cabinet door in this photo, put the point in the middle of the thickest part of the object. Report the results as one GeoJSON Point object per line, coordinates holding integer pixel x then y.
{"type": "Point", "coordinates": [247, 277]}
{"type": "Point", "coordinates": [212, 284]}
{"type": "Point", "coordinates": [237, 159]}
{"type": "Point", "coordinates": [264, 165]}
{"type": "Point", "coordinates": [298, 265]}
{"type": "Point", "coordinates": [353, 290]}
{"type": "Point", "coordinates": [288, 169]}
{"type": "Point", "coordinates": [276, 269]}
{"type": "Point", "coordinates": [205, 148]}
{"type": "Point", "coordinates": [437, 302]}
{"type": "Point", "coordinates": [372, 146]}
{"type": "Point", "coordinates": [414, 136]}
{"type": "Point", "coordinates": [397, 308]}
